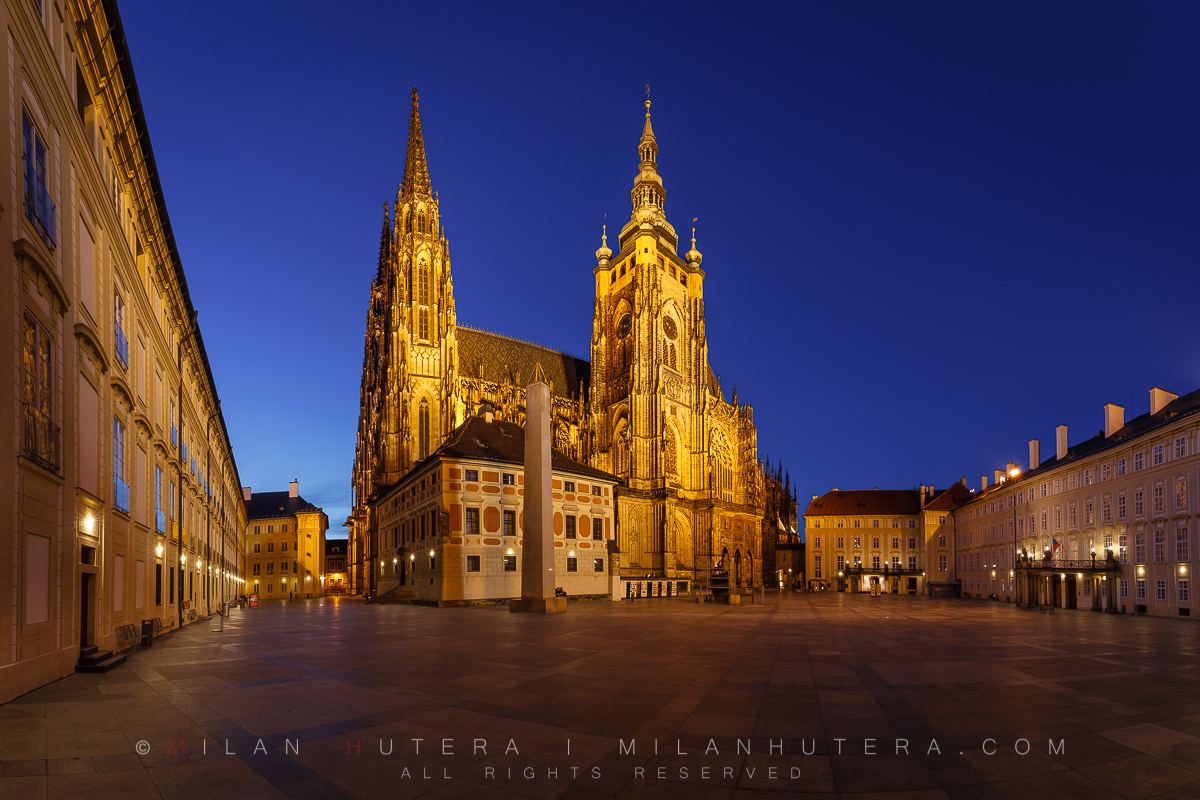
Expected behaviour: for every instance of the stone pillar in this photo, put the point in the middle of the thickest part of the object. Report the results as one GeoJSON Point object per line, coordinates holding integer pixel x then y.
{"type": "Point", "coordinates": [537, 536]}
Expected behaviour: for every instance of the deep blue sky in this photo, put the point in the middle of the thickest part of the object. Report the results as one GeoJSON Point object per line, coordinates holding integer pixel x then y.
{"type": "Point", "coordinates": [931, 231]}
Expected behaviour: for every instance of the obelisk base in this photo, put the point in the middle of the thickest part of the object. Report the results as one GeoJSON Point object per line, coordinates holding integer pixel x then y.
{"type": "Point", "coordinates": [538, 605]}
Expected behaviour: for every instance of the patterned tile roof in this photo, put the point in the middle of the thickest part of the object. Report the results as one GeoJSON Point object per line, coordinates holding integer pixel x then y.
{"type": "Point", "coordinates": [501, 359]}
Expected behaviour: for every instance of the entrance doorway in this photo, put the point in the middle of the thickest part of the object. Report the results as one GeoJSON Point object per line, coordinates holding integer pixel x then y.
{"type": "Point", "coordinates": [87, 590]}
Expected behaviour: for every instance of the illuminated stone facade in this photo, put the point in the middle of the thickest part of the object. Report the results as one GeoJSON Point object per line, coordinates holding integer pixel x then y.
{"type": "Point", "coordinates": [124, 502]}
{"type": "Point", "coordinates": [285, 544]}
{"type": "Point", "coordinates": [647, 407]}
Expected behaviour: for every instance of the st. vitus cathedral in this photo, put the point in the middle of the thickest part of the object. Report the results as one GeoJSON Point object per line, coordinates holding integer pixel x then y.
{"type": "Point", "coordinates": [648, 408]}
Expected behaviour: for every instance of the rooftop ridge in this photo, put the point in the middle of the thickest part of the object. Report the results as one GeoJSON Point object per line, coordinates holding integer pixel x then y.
{"type": "Point", "coordinates": [523, 341]}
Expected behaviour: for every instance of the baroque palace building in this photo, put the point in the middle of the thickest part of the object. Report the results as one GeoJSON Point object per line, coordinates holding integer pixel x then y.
{"type": "Point", "coordinates": [1107, 524]}
{"type": "Point", "coordinates": [647, 407]}
{"type": "Point", "coordinates": [123, 492]}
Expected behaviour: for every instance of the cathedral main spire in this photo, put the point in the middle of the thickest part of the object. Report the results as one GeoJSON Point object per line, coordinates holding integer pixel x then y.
{"type": "Point", "coordinates": [416, 169]}
{"type": "Point", "coordinates": [648, 195]}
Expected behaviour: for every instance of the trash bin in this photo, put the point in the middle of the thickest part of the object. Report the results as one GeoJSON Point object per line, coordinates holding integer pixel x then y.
{"type": "Point", "coordinates": [147, 632]}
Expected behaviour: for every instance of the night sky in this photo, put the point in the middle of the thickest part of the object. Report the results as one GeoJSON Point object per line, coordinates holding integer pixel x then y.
{"type": "Point", "coordinates": [931, 231]}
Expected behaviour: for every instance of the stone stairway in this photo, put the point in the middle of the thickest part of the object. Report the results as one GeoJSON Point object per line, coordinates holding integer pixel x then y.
{"type": "Point", "coordinates": [92, 659]}
{"type": "Point", "coordinates": [400, 596]}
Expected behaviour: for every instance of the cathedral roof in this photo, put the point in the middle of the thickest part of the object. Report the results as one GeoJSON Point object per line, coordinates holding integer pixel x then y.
{"type": "Point", "coordinates": [501, 359]}
{"type": "Point", "coordinates": [504, 442]}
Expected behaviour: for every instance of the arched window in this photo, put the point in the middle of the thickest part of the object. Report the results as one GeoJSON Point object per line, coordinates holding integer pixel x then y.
{"type": "Point", "coordinates": [423, 300]}
{"type": "Point", "coordinates": [421, 222]}
{"type": "Point", "coordinates": [670, 463]}
{"type": "Point", "coordinates": [423, 285]}
{"type": "Point", "coordinates": [423, 430]}
{"type": "Point", "coordinates": [671, 351]}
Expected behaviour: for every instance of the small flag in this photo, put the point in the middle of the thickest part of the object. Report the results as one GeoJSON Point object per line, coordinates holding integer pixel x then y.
{"type": "Point", "coordinates": [1054, 545]}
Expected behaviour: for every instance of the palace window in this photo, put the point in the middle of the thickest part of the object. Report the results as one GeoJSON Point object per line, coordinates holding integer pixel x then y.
{"type": "Point", "coordinates": [1141, 588]}
{"type": "Point", "coordinates": [874, 523]}
{"type": "Point", "coordinates": [1181, 493]}
{"type": "Point", "coordinates": [874, 562]}
{"type": "Point", "coordinates": [1087, 477]}
{"type": "Point", "coordinates": [257, 546]}
{"type": "Point", "coordinates": [1120, 467]}
{"type": "Point", "coordinates": [572, 564]}
{"type": "Point", "coordinates": [39, 433]}
{"type": "Point", "coordinates": [1158, 499]}
{"type": "Point", "coordinates": [472, 521]}
{"type": "Point", "coordinates": [1139, 547]}
{"type": "Point", "coordinates": [841, 563]}
{"type": "Point", "coordinates": [840, 523]}
{"type": "Point", "coordinates": [1160, 547]}
{"type": "Point", "coordinates": [510, 563]}
{"type": "Point", "coordinates": [857, 543]}
{"type": "Point", "coordinates": [875, 543]}
{"type": "Point", "coordinates": [39, 208]}
{"type": "Point", "coordinates": [1139, 503]}
{"type": "Point", "coordinates": [569, 524]}
{"type": "Point", "coordinates": [1184, 593]}
{"type": "Point", "coordinates": [1045, 522]}
{"type": "Point", "coordinates": [1089, 513]}
{"type": "Point", "coordinates": [1106, 509]}
{"type": "Point", "coordinates": [942, 540]}
{"type": "Point", "coordinates": [510, 523]}
{"type": "Point", "coordinates": [598, 530]}
{"type": "Point", "coordinates": [856, 523]}
{"type": "Point", "coordinates": [840, 542]}
{"type": "Point", "coordinates": [1137, 461]}
{"type": "Point", "coordinates": [912, 523]}
{"type": "Point", "coordinates": [1182, 548]}
{"type": "Point", "coordinates": [270, 546]}
{"type": "Point", "coordinates": [1181, 447]}
{"type": "Point", "coordinates": [942, 562]}
{"type": "Point", "coordinates": [895, 543]}
{"type": "Point", "coordinates": [1122, 551]}
{"type": "Point", "coordinates": [816, 565]}
{"type": "Point", "coordinates": [1160, 590]}
{"type": "Point", "coordinates": [1121, 506]}
{"type": "Point", "coordinates": [568, 486]}
{"type": "Point", "coordinates": [472, 563]}
{"type": "Point", "coordinates": [1158, 454]}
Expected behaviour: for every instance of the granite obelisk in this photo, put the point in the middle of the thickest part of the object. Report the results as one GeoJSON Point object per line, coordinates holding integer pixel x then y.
{"type": "Point", "coordinates": [537, 542]}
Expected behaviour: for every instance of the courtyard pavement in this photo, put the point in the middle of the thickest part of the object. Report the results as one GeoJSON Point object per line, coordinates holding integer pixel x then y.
{"type": "Point", "coordinates": [930, 698]}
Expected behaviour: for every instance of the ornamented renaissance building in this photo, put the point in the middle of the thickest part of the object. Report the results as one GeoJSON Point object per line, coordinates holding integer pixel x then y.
{"type": "Point", "coordinates": [122, 502]}
{"type": "Point", "coordinates": [647, 408]}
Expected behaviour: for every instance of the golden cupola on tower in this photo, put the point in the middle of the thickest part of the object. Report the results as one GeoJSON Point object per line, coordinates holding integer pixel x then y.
{"type": "Point", "coordinates": [649, 196]}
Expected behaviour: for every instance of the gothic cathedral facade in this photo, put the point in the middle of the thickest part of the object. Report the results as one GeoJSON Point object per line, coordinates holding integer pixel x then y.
{"type": "Point", "coordinates": [647, 408]}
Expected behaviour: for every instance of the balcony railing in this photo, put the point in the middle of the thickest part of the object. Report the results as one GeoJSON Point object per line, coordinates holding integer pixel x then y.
{"type": "Point", "coordinates": [885, 569]}
{"type": "Point", "coordinates": [120, 494]}
{"type": "Point", "coordinates": [160, 521]}
{"type": "Point", "coordinates": [39, 208]}
{"type": "Point", "coordinates": [122, 346]}
{"type": "Point", "coordinates": [39, 437]}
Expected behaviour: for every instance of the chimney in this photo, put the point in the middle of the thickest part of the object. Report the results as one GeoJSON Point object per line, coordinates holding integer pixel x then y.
{"type": "Point", "coordinates": [485, 411]}
{"type": "Point", "coordinates": [1159, 398]}
{"type": "Point", "coordinates": [982, 482]}
{"type": "Point", "coordinates": [963, 481]}
{"type": "Point", "coordinates": [1060, 435]}
{"type": "Point", "coordinates": [1035, 453]}
{"type": "Point", "coordinates": [1114, 418]}
{"type": "Point", "coordinates": [1012, 469]}
{"type": "Point", "coordinates": [294, 489]}
{"type": "Point", "coordinates": [246, 493]}
{"type": "Point", "coordinates": [997, 475]}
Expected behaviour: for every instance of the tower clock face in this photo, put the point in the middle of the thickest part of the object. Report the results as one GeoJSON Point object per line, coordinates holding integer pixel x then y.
{"type": "Point", "coordinates": [669, 327]}
{"type": "Point", "coordinates": [624, 326]}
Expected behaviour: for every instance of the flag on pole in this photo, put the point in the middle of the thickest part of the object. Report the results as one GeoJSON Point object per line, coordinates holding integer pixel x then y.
{"type": "Point", "coordinates": [1054, 545]}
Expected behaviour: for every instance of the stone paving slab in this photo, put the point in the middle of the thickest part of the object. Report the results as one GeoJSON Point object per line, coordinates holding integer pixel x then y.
{"type": "Point", "coordinates": [809, 695]}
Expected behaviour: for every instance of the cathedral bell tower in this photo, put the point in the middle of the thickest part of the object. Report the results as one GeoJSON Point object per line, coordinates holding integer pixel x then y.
{"type": "Point", "coordinates": [650, 373]}
{"type": "Point", "coordinates": [423, 315]}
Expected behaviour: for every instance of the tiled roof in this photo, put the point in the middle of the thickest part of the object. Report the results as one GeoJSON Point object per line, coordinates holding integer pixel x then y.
{"type": "Point", "coordinates": [950, 499]}
{"type": "Point", "coordinates": [865, 501]}
{"type": "Point", "coordinates": [1142, 425]}
{"type": "Point", "coordinates": [269, 505]}
{"type": "Point", "coordinates": [497, 358]}
{"type": "Point", "coordinates": [503, 442]}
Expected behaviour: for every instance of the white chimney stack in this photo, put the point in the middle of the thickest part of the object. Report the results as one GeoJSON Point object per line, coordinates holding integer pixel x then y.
{"type": "Point", "coordinates": [1159, 398]}
{"type": "Point", "coordinates": [997, 475]}
{"type": "Point", "coordinates": [1060, 434]}
{"type": "Point", "coordinates": [246, 493]}
{"type": "Point", "coordinates": [1035, 453]}
{"type": "Point", "coordinates": [294, 489]}
{"type": "Point", "coordinates": [1114, 418]}
{"type": "Point", "coordinates": [982, 482]}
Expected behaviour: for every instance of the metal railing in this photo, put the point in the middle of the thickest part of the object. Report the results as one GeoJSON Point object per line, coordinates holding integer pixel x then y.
{"type": "Point", "coordinates": [39, 437]}
{"type": "Point", "coordinates": [1067, 565]}
{"type": "Point", "coordinates": [120, 494]}
{"type": "Point", "coordinates": [39, 208]}
{"type": "Point", "coordinates": [886, 569]}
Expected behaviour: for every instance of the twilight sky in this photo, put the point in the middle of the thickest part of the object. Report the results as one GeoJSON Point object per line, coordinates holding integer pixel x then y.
{"type": "Point", "coordinates": [931, 231]}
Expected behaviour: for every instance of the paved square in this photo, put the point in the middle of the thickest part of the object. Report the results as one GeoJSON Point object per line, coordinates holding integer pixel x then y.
{"type": "Point", "coordinates": [830, 695]}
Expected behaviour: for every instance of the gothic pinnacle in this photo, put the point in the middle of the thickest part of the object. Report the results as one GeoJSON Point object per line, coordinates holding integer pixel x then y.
{"type": "Point", "coordinates": [416, 169]}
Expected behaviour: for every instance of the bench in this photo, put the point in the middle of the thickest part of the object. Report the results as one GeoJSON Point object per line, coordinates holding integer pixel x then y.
{"type": "Point", "coordinates": [127, 636]}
